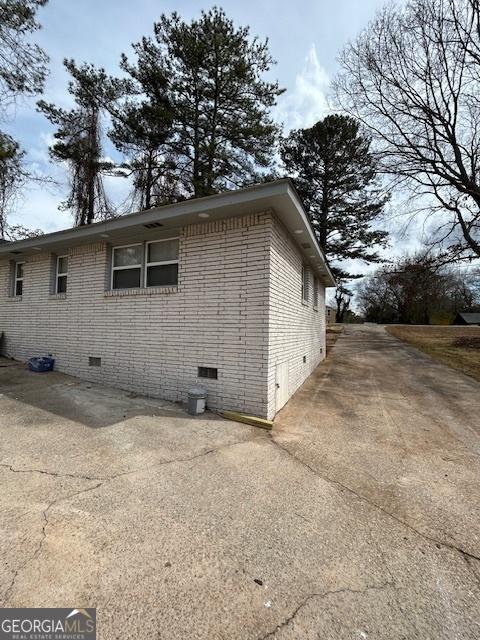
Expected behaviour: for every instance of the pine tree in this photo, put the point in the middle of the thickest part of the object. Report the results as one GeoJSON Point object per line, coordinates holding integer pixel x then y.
{"type": "Point", "coordinates": [336, 176]}
{"type": "Point", "coordinates": [200, 123]}
{"type": "Point", "coordinates": [191, 110]}
{"type": "Point", "coordinates": [224, 135]}
{"type": "Point", "coordinates": [142, 125]}
{"type": "Point", "coordinates": [78, 143]}
{"type": "Point", "coordinates": [140, 118]}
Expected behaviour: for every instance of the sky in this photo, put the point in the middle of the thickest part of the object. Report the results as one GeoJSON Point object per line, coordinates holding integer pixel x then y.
{"type": "Point", "coordinates": [305, 39]}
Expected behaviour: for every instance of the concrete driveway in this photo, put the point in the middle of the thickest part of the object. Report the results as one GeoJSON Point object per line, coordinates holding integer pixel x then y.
{"type": "Point", "coordinates": [358, 517]}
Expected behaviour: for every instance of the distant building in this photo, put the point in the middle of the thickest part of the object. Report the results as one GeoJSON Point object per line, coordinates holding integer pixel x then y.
{"type": "Point", "coordinates": [330, 314]}
{"type": "Point", "coordinates": [466, 318]}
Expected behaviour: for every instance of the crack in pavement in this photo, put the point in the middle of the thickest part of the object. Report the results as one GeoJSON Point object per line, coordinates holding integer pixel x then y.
{"type": "Point", "coordinates": [52, 473]}
{"type": "Point", "coordinates": [466, 554]}
{"type": "Point", "coordinates": [38, 549]}
{"type": "Point", "coordinates": [75, 476]}
{"type": "Point", "coordinates": [102, 481]}
{"type": "Point", "coordinates": [325, 594]}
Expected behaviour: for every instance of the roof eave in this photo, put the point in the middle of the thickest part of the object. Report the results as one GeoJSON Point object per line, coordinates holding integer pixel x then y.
{"type": "Point", "coordinates": [227, 202]}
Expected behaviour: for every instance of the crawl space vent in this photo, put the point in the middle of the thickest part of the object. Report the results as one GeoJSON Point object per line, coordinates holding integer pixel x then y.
{"type": "Point", "coordinates": [94, 362]}
{"type": "Point", "coordinates": [208, 372]}
{"type": "Point", "coordinates": [305, 245]}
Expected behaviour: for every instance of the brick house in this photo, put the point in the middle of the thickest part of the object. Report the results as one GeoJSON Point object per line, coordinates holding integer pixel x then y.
{"type": "Point", "coordinates": [227, 291]}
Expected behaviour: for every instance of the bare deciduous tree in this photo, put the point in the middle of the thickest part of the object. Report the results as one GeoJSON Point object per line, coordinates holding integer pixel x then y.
{"type": "Point", "coordinates": [23, 69]}
{"type": "Point", "coordinates": [23, 64]}
{"type": "Point", "coordinates": [418, 289]}
{"type": "Point", "coordinates": [413, 77]}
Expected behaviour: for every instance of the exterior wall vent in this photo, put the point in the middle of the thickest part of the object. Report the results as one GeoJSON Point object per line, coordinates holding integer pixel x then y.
{"type": "Point", "coordinates": [304, 358]}
{"type": "Point", "coordinates": [94, 362]}
{"type": "Point", "coordinates": [208, 372]}
{"type": "Point", "coordinates": [153, 225]}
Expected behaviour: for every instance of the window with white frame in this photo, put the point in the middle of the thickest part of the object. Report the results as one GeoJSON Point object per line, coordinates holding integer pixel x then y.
{"type": "Point", "coordinates": [18, 283]}
{"type": "Point", "coordinates": [61, 275]}
{"type": "Point", "coordinates": [315, 293]}
{"type": "Point", "coordinates": [150, 264]}
{"type": "Point", "coordinates": [161, 263]}
{"type": "Point", "coordinates": [127, 266]}
{"type": "Point", "coordinates": [304, 283]}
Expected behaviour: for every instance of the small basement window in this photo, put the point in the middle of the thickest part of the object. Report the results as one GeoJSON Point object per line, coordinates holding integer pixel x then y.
{"type": "Point", "coordinates": [162, 263]}
{"type": "Point", "coordinates": [208, 372]}
{"type": "Point", "coordinates": [127, 266]}
{"type": "Point", "coordinates": [62, 273]}
{"type": "Point", "coordinates": [18, 284]}
{"type": "Point", "coordinates": [94, 362]}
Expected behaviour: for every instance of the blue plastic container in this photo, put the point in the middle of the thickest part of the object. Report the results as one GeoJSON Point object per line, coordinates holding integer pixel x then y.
{"type": "Point", "coordinates": [40, 365]}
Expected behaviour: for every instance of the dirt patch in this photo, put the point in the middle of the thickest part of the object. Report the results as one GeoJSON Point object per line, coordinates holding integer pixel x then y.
{"type": "Point", "coordinates": [467, 342]}
{"type": "Point", "coordinates": [458, 347]}
{"type": "Point", "coordinates": [333, 331]}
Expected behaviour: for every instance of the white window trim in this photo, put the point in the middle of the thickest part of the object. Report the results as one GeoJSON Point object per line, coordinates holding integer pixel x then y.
{"type": "Point", "coordinates": [58, 274]}
{"type": "Point", "coordinates": [316, 293]}
{"type": "Point", "coordinates": [16, 279]}
{"type": "Point", "coordinates": [305, 283]}
{"type": "Point", "coordinates": [157, 264]}
{"type": "Point", "coordinates": [130, 266]}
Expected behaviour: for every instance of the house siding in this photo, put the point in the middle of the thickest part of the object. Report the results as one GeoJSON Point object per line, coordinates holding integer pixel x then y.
{"type": "Point", "coordinates": [296, 329]}
{"type": "Point", "coordinates": [237, 307]}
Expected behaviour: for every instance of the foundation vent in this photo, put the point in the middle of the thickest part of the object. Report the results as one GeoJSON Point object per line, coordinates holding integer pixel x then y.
{"type": "Point", "coordinates": [208, 372]}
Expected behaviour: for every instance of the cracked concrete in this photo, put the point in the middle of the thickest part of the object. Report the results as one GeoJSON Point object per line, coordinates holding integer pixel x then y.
{"type": "Point", "coordinates": [312, 596]}
{"type": "Point", "coordinates": [356, 518]}
{"type": "Point", "coordinates": [436, 541]}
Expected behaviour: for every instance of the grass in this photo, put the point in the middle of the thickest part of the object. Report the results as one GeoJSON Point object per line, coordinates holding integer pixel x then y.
{"type": "Point", "coordinates": [458, 347]}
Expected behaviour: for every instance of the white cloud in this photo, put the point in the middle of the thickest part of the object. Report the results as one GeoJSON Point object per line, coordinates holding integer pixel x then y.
{"type": "Point", "coordinates": [307, 102]}
{"type": "Point", "coordinates": [38, 209]}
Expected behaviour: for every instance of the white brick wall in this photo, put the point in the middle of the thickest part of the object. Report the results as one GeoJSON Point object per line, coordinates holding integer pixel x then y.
{"type": "Point", "coordinates": [152, 341]}
{"type": "Point", "coordinates": [296, 329]}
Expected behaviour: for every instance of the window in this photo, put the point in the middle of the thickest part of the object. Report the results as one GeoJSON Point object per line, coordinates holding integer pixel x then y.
{"type": "Point", "coordinates": [304, 284]}
{"type": "Point", "coordinates": [127, 266]}
{"type": "Point", "coordinates": [151, 264]}
{"type": "Point", "coordinates": [18, 285]}
{"type": "Point", "coordinates": [315, 293]}
{"type": "Point", "coordinates": [162, 263]}
{"type": "Point", "coordinates": [208, 372]}
{"type": "Point", "coordinates": [62, 273]}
